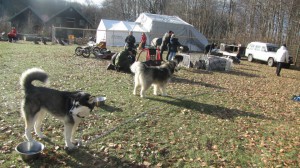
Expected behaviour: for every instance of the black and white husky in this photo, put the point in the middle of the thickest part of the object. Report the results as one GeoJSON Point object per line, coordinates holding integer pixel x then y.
{"type": "Point", "coordinates": [158, 76]}
{"type": "Point", "coordinates": [69, 107]}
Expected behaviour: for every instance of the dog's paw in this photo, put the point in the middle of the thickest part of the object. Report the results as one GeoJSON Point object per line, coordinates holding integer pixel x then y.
{"type": "Point", "coordinates": [70, 150]}
{"type": "Point", "coordinates": [74, 141]}
{"type": "Point", "coordinates": [70, 147]}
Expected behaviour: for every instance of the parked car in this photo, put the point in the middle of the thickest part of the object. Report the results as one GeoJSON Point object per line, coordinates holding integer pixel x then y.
{"type": "Point", "coordinates": [265, 52]}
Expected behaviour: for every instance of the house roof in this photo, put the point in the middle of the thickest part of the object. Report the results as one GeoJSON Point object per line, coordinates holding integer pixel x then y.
{"type": "Point", "coordinates": [25, 9]}
{"type": "Point", "coordinates": [67, 9]}
{"type": "Point", "coordinates": [45, 20]}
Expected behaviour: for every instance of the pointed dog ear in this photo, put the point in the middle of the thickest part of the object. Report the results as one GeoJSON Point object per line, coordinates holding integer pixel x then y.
{"type": "Point", "coordinates": [92, 99]}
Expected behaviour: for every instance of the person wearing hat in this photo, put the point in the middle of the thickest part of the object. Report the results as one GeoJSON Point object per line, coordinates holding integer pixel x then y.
{"type": "Point", "coordinates": [282, 56]}
{"type": "Point", "coordinates": [165, 43]}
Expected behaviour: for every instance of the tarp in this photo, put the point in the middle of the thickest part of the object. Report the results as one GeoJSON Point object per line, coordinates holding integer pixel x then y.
{"type": "Point", "coordinates": [155, 26]}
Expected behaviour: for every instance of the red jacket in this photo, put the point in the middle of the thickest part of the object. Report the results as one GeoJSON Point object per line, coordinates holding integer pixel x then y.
{"type": "Point", "coordinates": [13, 33]}
{"type": "Point", "coordinates": [144, 38]}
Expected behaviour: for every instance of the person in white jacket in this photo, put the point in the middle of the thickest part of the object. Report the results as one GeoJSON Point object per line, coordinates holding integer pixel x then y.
{"type": "Point", "coordinates": [282, 56]}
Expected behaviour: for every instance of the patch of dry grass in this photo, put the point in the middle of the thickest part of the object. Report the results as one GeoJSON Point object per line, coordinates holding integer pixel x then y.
{"type": "Point", "coordinates": [241, 118]}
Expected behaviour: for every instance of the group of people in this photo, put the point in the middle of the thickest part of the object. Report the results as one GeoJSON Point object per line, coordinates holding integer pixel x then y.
{"type": "Point", "coordinates": [169, 43]}
{"type": "Point", "coordinates": [130, 41]}
{"type": "Point", "coordinates": [122, 61]}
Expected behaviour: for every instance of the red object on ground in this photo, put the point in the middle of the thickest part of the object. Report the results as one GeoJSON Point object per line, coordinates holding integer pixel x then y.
{"type": "Point", "coordinates": [152, 54]}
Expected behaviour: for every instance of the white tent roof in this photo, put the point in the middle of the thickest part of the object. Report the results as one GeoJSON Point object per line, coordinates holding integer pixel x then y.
{"type": "Point", "coordinates": [114, 32]}
{"type": "Point", "coordinates": [145, 18]}
{"type": "Point", "coordinates": [119, 25]}
{"type": "Point", "coordinates": [158, 25]}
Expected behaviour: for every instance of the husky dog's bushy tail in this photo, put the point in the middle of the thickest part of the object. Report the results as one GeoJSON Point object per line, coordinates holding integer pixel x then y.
{"type": "Point", "coordinates": [30, 75]}
{"type": "Point", "coordinates": [137, 67]}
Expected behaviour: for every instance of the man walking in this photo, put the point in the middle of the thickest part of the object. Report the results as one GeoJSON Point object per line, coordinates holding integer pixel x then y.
{"type": "Point", "coordinates": [282, 56]}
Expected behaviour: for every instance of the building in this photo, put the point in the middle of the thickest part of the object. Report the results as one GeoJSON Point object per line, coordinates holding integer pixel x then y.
{"type": "Point", "coordinates": [28, 21]}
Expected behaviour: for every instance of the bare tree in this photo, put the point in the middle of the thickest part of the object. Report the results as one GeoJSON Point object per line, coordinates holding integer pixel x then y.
{"type": "Point", "coordinates": [236, 20]}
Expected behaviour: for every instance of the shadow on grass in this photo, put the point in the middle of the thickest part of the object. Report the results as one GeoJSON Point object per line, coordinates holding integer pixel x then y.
{"type": "Point", "coordinates": [241, 73]}
{"type": "Point", "coordinates": [81, 157]}
{"type": "Point", "coordinates": [110, 109]}
{"type": "Point", "coordinates": [190, 82]}
{"type": "Point", "coordinates": [202, 71]}
{"type": "Point", "coordinates": [99, 159]}
{"type": "Point", "coordinates": [232, 72]}
{"type": "Point", "coordinates": [248, 69]}
{"type": "Point", "coordinates": [294, 68]}
{"type": "Point", "coordinates": [213, 110]}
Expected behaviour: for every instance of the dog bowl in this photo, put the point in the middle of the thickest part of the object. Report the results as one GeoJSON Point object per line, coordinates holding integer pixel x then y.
{"type": "Point", "coordinates": [100, 101]}
{"type": "Point", "coordinates": [30, 150]}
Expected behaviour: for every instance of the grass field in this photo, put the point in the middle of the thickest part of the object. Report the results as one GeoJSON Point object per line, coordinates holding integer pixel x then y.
{"type": "Point", "coordinates": [241, 118]}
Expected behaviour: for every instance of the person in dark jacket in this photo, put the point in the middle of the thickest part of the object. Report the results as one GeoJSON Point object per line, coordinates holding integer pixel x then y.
{"type": "Point", "coordinates": [209, 47]}
{"type": "Point", "coordinates": [130, 41]}
{"type": "Point", "coordinates": [165, 43]}
{"type": "Point", "coordinates": [122, 61]}
{"type": "Point", "coordinates": [174, 44]}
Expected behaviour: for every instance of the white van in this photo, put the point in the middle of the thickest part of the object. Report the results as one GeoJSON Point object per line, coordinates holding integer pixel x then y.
{"type": "Point", "coordinates": [264, 52]}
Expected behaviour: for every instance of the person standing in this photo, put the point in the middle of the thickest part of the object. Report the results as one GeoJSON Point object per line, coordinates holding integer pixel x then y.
{"type": "Point", "coordinates": [282, 56]}
{"type": "Point", "coordinates": [12, 35]}
{"type": "Point", "coordinates": [165, 43]}
{"type": "Point", "coordinates": [130, 41]}
{"type": "Point", "coordinates": [174, 44]}
{"type": "Point", "coordinates": [143, 41]}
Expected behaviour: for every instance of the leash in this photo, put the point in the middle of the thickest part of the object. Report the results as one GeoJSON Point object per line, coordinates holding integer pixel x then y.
{"type": "Point", "coordinates": [87, 143]}
{"type": "Point", "coordinates": [122, 124]}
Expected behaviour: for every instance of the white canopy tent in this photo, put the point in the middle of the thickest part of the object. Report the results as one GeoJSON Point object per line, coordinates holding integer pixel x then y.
{"type": "Point", "coordinates": [158, 25]}
{"type": "Point", "coordinates": [155, 26]}
{"type": "Point", "coordinates": [114, 32]}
